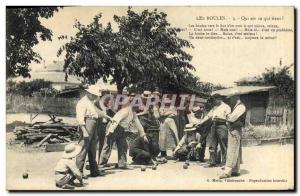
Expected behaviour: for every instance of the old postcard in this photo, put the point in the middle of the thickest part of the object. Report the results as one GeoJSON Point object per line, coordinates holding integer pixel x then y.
{"type": "Point", "coordinates": [150, 98]}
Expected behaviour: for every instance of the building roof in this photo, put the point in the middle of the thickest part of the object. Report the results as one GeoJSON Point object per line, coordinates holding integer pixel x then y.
{"type": "Point", "coordinates": [241, 90]}
{"type": "Point", "coordinates": [53, 76]}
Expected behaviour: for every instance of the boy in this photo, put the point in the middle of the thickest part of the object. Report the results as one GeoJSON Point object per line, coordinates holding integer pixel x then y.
{"type": "Point", "coordinates": [66, 170]}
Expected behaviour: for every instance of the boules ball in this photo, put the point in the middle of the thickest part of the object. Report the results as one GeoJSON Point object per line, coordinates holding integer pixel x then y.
{"type": "Point", "coordinates": [25, 175]}
{"type": "Point", "coordinates": [185, 166]}
{"type": "Point", "coordinates": [187, 162]}
{"type": "Point", "coordinates": [143, 168]}
{"type": "Point", "coordinates": [154, 167]}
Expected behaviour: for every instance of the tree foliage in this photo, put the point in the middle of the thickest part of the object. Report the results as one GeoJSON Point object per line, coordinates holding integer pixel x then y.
{"type": "Point", "coordinates": [282, 79]}
{"type": "Point", "coordinates": [23, 30]}
{"type": "Point", "coordinates": [143, 53]}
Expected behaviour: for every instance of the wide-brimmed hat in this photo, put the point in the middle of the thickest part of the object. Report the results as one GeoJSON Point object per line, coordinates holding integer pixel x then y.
{"type": "Point", "coordinates": [189, 127]}
{"type": "Point", "coordinates": [94, 89]}
{"type": "Point", "coordinates": [71, 151]}
{"type": "Point", "coordinates": [156, 93]}
{"type": "Point", "coordinates": [146, 94]}
{"type": "Point", "coordinates": [196, 109]}
{"type": "Point", "coordinates": [218, 96]}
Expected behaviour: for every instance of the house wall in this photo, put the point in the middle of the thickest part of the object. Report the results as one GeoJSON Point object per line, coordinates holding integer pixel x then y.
{"type": "Point", "coordinates": [256, 104]}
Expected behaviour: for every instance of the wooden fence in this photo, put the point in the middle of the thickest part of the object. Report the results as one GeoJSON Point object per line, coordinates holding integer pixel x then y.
{"type": "Point", "coordinates": [48, 105]}
{"type": "Point", "coordinates": [280, 116]}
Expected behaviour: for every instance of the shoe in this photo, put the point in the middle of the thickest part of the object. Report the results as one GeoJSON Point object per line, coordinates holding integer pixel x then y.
{"type": "Point", "coordinates": [224, 175]}
{"type": "Point", "coordinates": [210, 165]}
{"type": "Point", "coordinates": [67, 186]}
{"type": "Point", "coordinates": [234, 174]}
{"type": "Point", "coordinates": [84, 176]}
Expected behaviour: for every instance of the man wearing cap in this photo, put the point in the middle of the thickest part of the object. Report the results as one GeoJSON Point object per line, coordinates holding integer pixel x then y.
{"type": "Point", "coordinates": [218, 132]}
{"type": "Point", "coordinates": [235, 122]}
{"type": "Point", "coordinates": [87, 116]}
{"type": "Point", "coordinates": [66, 170]}
{"type": "Point", "coordinates": [189, 145]}
{"type": "Point", "coordinates": [116, 132]}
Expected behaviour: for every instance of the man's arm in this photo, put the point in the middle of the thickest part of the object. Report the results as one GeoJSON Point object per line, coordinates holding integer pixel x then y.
{"type": "Point", "coordinates": [73, 168]}
{"type": "Point", "coordinates": [236, 113]}
{"type": "Point", "coordinates": [138, 125]}
{"type": "Point", "coordinates": [180, 143]}
{"type": "Point", "coordinates": [80, 116]}
{"type": "Point", "coordinates": [118, 117]}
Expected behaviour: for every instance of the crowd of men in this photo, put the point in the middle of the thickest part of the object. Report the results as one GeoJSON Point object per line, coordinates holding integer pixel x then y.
{"type": "Point", "coordinates": [101, 129]}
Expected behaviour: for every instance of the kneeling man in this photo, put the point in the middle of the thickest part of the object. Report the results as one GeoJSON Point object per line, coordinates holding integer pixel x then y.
{"type": "Point", "coordinates": [145, 152]}
{"type": "Point", "coordinates": [189, 146]}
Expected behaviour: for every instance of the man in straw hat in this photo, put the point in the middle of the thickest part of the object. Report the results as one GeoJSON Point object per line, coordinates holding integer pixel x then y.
{"type": "Point", "coordinates": [189, 145]}
{"type": "Point", "coordinates": [196, 115]}
{"type": "Point", "coordinates": [218, 133]}
{"type": "Point", "coordinates": [235, 122]}
{"type": "Point", "coordinates": [88, 116]}
{"type": "Point", "coordinates": [66, 170]}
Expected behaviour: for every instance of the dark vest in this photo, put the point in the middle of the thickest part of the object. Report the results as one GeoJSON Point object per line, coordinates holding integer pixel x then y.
{"type": "Point", "coordinates": [240, 122]}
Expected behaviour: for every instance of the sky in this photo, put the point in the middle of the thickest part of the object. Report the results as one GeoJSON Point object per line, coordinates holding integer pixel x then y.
{"type": "Point", "coordinates": [216, 61]}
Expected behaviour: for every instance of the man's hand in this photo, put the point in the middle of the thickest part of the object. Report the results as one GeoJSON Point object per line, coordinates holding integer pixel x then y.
{"type": "Point", "coordinates": [198, 146]}
{"type": "Point", "coordinates": [191, 144]}
{"type": "Point", "coordinates": [84, 131]}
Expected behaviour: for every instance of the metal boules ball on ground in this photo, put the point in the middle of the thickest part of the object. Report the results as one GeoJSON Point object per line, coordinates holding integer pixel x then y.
{"type": "Point", "coordinates": [25, 175]}
{"type": "Point", "coordinates": [143, 168]}
{"type": "Point", "coordinates": [185, 166]}
{"type": "Point", "coordinates": [187, 162]}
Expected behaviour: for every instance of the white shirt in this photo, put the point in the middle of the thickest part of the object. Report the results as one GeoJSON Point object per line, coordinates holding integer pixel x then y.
{"type": "Point", "coordinates": [238, 110]}
{"type": "Point", "coordinates": [85, 108]}
{"type": "Point", "coordinates": [219, 112]}
{"type": "Point", "coordinates": [126, 118]}
{"type": "Point", "coordinates": [187, 139]}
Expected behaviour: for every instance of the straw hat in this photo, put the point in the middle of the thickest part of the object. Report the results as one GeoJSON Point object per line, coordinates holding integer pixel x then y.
{"type": "Point", "coordinates": [189, 127]}
{"type": "Point", "coordinates": [196, 109]}
{"type": "Point", "coordinates": [218, 96]}
{"type": "Point", "coordinates": [71, 151]}
{"type": "Point", "coordinates": [146, 94]}
{"type": "Point", "coordinates": [94, 89]}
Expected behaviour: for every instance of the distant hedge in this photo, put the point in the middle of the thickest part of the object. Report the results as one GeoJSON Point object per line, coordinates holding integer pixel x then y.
{"type": "Point", "coordinates": [38, 87]}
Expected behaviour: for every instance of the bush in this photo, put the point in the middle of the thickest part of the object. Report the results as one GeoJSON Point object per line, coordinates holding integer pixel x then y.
{"type": "Point", "coordinates": [38, 87]}
{"type": "Point", "coordinates": [265, 132]}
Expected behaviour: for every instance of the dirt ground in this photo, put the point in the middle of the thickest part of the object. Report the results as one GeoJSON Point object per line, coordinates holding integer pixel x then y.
{"type": "Point", "coordinates": [268, 162]}
{"type": "Point", "coordinates": [264, 167]}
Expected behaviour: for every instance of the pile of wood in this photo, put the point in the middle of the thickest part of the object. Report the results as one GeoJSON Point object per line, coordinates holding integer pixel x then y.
{"type": "Point", "coordinates": [41, 133]}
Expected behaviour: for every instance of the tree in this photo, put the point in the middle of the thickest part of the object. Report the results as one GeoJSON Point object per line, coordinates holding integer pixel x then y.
{"type": "Point", "coordinates": [23, 30]}
{"type": "Point", "coordinates": [143, 53]}
{"type": "Point", "coordinates": [281, 78]}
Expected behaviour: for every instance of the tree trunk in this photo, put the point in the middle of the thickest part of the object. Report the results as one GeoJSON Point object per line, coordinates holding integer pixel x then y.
{"type": "Point", "coordinates": [120, 87]}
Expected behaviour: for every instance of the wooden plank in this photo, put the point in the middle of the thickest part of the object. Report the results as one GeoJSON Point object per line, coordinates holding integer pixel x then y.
{"type": "Point", "coordinates": [44, 140]}
{"type": "Point", "coordinates": [55, 147]}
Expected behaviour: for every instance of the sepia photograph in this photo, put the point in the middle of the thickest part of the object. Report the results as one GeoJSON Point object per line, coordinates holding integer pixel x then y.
{"type": "Point", "coordinates": [150, 98]}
